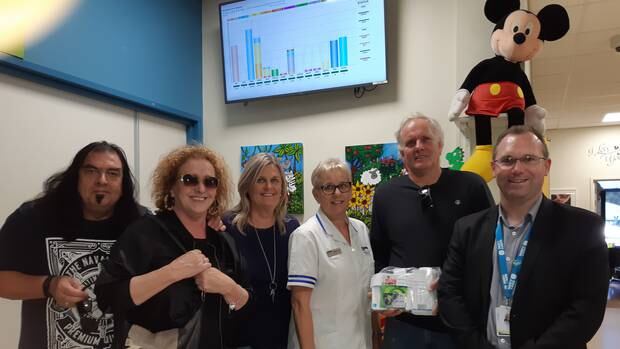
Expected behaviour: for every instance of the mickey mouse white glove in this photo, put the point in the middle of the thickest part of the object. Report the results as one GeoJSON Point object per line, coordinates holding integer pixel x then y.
{"type": "Point", "coordinates": [534, 117]}
{"type": "Point", "coordinates": [459, 102]}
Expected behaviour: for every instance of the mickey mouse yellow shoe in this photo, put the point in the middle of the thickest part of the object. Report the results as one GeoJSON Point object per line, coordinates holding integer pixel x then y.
{"type": "Point", "coordinates": [480, 162]}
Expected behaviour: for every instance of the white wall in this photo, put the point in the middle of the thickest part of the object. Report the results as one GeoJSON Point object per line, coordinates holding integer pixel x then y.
{"type": "Point", "coordinates": [155, 138]}
{"type": "Point", "coordinates": [573, 167]}
{"type": "Point", "coordinates": [432, 45]}
{"type": "Point", "coordinates": [41, 130]}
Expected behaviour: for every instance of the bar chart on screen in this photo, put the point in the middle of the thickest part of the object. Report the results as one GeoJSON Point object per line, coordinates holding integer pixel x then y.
{"type": "Point", "coordinates": [284, 47]}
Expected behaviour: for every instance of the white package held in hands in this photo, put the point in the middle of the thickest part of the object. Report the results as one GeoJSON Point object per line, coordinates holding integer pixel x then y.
{"type": "Point", "coordinates": [405, 288]}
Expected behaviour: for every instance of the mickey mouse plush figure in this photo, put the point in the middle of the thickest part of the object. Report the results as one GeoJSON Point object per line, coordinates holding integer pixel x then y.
{"type": "Point", "coordinates": [498, 85]}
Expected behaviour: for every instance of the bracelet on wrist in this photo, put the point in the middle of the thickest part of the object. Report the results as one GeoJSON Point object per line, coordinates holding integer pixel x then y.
{"type": "Point", "coordinates": [233, 304]}
{"type": "Point", "coordinates": [46, 286]}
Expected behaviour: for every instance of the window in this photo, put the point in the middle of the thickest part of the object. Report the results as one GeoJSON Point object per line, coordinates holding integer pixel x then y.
{"type": "Point", "coordinates": [608, 203]}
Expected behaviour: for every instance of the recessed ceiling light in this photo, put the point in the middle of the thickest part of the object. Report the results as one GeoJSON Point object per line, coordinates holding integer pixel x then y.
{"type": "Point", "coordinates": [611, 117]}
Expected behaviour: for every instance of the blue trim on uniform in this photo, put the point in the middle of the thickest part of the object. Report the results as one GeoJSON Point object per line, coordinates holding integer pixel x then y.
{"type": "Point", "coordinates": [295, 281]}
{"type": "Point", "coordinates": [320, 223]}
{"type": "Point", "coordinates": [302, 276]}
{"type": "Point", "coordinates": [325, 230]}
{"type": "Point", "coordinates": [303, 279]}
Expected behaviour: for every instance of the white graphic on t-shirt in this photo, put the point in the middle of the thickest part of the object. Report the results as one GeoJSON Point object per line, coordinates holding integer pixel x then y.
{"type": "Point", "coordinates": [83, 326]}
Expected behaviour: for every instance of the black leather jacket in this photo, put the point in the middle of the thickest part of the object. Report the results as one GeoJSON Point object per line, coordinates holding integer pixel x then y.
{"type": "Point", "coordinates": [149, 244]}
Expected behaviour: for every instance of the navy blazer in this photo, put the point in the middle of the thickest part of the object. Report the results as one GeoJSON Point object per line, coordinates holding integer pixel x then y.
{"type": "Point", "coordinates": [561, 292]}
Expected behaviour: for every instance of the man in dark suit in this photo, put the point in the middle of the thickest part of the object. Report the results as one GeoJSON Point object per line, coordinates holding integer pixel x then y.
{"type": "Point", "coordinates": [528, 273]}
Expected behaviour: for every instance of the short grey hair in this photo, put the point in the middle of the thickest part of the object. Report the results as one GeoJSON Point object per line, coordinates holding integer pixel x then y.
{"type": "Point", "coordinates": [328, 165]}
{"type": "Point", "coordinates": [434, 126]}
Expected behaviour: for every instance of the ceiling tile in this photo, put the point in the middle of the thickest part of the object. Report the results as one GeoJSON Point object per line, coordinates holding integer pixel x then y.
{"type": "Point", "coordinates": [600, 15]}
{"type": "Point", "coordinates": [536, 5]}
{"type": "Point", "coordinates": [550, 66]}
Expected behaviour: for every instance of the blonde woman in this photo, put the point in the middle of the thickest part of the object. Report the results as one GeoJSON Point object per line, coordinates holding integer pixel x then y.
{"type": "Point", "coordinates": [261, 228]}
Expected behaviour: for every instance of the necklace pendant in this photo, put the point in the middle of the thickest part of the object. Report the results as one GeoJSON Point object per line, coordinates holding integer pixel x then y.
{"type": "Point", "coordinates": [272, 273]}
{"type": "Point", "coordinates": [272, 291]}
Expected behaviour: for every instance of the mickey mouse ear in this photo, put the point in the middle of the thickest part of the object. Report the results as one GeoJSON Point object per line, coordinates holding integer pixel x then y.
{"type": "Point", "coordinates": [495, 10]}
{"type": "Point", "coordinates": [554, 22]}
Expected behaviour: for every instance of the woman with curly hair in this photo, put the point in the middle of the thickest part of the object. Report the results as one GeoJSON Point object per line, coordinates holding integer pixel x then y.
{"type": "Point", "coordinates": [171, 277]}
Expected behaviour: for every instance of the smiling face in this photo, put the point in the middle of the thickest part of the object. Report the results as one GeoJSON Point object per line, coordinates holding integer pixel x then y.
{"type": "Point", "coordinates": [333, 205]}
{"type": "Point", "coordinates": [420, 148]}
{"type": "Point", "coordinates": [520, 184]}
{"type": "Point", "coordinates": [100, 184]}
{"type": "Point", "coordinates": [266, 191]}
{"type": "Point", "coordinates": [518, 41]}
{"type": "Point", "coordinates": [193, 201]}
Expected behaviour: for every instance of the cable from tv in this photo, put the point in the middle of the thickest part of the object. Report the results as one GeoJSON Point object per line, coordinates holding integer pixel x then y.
{"type": "Point", "coordinates": [358, 92]}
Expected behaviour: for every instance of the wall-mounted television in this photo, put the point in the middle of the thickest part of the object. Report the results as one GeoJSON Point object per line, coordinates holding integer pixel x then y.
{"type": "Point", "coordinates": [283, 47]}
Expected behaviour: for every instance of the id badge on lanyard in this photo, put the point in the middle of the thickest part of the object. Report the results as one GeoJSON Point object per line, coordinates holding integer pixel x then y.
{"type": "Point", "coordinates": [502, 320]}
{"type": "Point", "coordinates": [509, 282]}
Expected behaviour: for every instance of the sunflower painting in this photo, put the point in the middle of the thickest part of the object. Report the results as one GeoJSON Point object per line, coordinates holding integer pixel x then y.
{"type": "Point", "coordinates": [291, 157]}
{"type": "Point", "coordinates": [371, 164]}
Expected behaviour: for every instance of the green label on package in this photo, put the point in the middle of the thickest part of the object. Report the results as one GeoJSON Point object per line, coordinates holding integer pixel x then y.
{"type": "Point", "coordinates": [393, 296]}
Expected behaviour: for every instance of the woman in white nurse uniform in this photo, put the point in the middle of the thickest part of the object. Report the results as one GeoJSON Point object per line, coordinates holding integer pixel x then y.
{"type": "Point", "coordinates": [330, 265]}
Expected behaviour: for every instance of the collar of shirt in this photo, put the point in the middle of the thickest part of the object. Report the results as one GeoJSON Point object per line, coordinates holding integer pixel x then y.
{"type": "Point", "coordinates": [330, 229]}
{"type": "Point", "coordinates": [442, 175]}
{"type": "Point", "coordinates": [529, 217]}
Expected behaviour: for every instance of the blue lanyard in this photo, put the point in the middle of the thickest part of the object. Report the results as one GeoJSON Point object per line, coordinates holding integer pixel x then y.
{"type": "Point", "coordinates": [508, 285]}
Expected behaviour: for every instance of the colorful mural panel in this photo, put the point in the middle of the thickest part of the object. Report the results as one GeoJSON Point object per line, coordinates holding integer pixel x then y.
{"type": "Point", "coordinates": [371, 165]}
{"type": "Point", "coordinates": [291, 156]}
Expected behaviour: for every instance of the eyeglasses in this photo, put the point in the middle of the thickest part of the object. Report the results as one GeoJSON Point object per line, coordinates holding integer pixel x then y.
{"type": "Point", "coordinates": [424, 193]}
{"type": "Point", "coordinates": [110, 173]}
{"type": "Point", "coordinates": [508, 162]}
{"type": "Point", "coordinates": [329, 189]}
{"type": "Point", "coordinates": [191, 181]}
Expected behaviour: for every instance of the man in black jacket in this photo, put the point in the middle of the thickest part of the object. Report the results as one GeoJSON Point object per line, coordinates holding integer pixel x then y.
{"type": "Point", "coordinates": [412, 221]}
{"type": "Point", "coordinates": [529, 273]}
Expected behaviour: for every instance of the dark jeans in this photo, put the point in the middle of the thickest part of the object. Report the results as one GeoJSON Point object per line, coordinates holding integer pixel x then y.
{"type": "Point", "coordinates": [402, 335]}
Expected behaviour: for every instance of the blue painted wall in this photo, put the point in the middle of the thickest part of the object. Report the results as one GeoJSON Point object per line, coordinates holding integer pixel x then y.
{"type": "Point", "coordinates": [145, 53]}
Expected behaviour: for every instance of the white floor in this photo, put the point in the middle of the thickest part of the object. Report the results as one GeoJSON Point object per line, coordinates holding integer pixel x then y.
{"type": "Point", "coordinates": [608, 336]}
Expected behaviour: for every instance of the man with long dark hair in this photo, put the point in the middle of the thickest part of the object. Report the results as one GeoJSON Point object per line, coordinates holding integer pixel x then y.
{"type": "Point", "coordinates": [50, 249]}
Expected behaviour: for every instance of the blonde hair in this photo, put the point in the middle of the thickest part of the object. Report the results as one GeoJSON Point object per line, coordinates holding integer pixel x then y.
{"type": "Point", "coordinates": [325, 166]}
{"type": "Point", "coordinates": [166, 174]}
{"type": "Point", "coordinates": [249, 176]}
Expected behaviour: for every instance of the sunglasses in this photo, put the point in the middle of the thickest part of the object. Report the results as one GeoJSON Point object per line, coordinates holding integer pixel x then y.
{"type": "Point", "coordinates": [87, 321]}
{"type": "Point", "coordinates": [424, 193]}
{"type": "Point", "coordinates": [191, 181]}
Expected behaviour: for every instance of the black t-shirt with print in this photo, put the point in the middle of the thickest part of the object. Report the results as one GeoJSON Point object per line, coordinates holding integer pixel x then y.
{"type": "Point", "coordinates": [27, 246]}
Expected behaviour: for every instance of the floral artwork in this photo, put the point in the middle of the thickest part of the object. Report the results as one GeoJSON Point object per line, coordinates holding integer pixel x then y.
{"type": "Point", "coordinates": [371, 164]}
{"type": "Point", "coordinates": [291, 157]}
